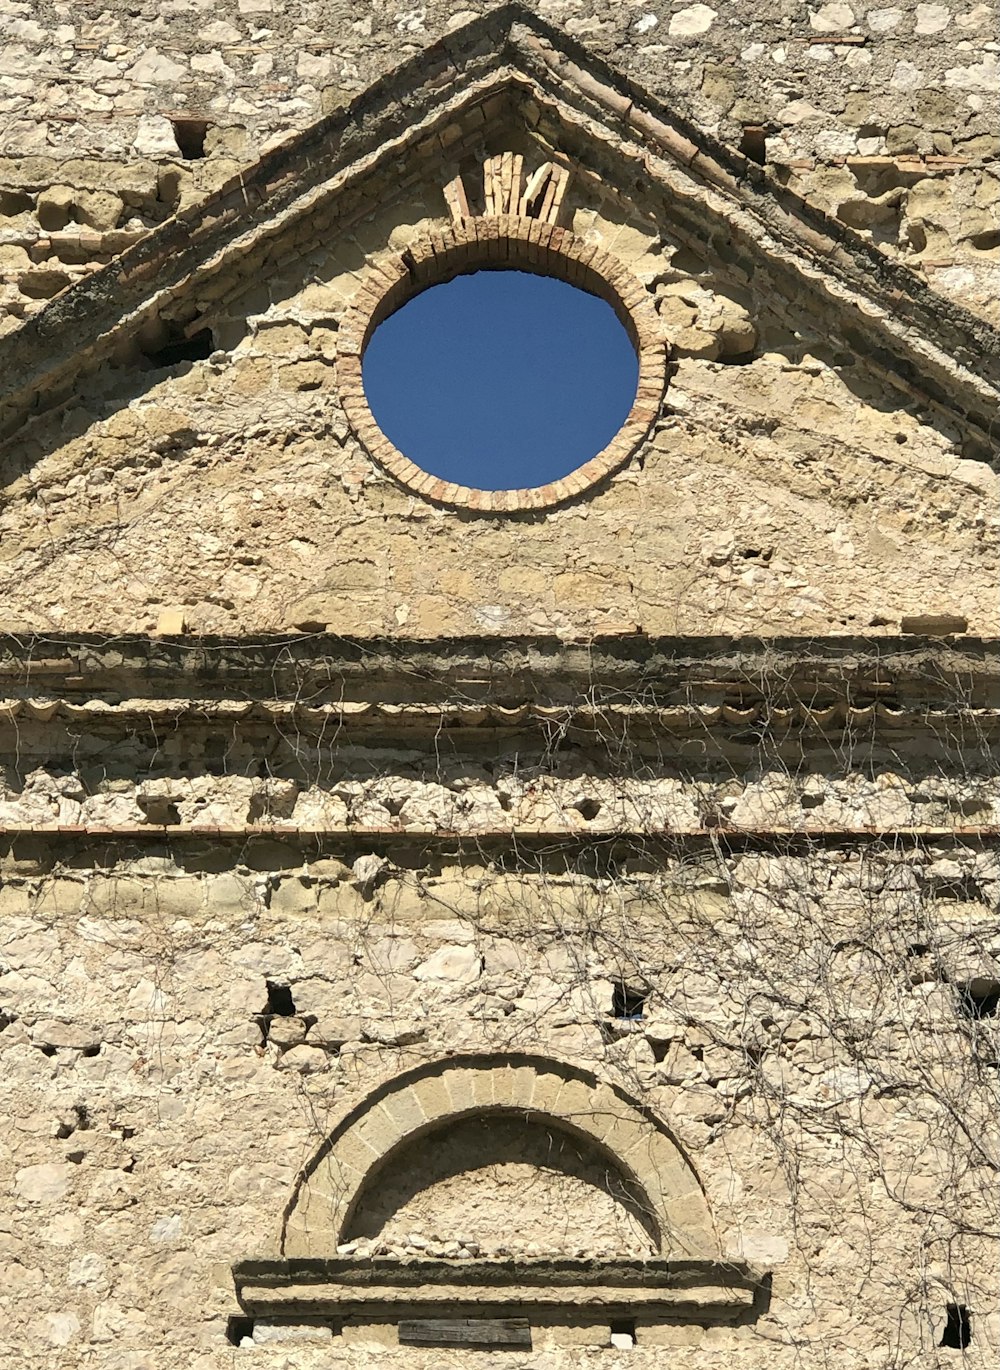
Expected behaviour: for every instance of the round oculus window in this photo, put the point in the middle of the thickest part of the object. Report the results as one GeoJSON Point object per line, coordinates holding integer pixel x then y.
{"type": "Point", "coordinates": [500, 379]}
{"type": "Point", "coordinates": [501, 364]}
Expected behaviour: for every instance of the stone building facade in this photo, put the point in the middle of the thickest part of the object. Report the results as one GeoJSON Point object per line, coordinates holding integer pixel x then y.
{"type": "Point", "coordinates": [539, 927]}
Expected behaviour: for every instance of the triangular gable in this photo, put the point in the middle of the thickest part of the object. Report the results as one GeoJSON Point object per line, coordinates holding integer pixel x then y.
{"type": "Point", "coordinates": [511, 64]}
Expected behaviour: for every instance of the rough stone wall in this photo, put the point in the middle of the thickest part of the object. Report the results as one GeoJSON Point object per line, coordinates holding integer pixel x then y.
{"type": "Point", "coordinates": [192, 1001]}
{"type": "Point", "coordinates": [781, 493]}
{"type": "Point", "coordinates": [826, 1088]}
{"type": "Point", "coordinates": [216, 938]}
{"type": "Point", "coordinates": [906, 93]}
{"type": "Point", "coordinates": [830, 80]}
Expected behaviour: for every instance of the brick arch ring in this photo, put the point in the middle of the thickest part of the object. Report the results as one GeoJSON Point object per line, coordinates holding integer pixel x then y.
{"type": "Point", "coordinates": [495, 243]}
{"type": "Point", "coordinates": [413, 1105]}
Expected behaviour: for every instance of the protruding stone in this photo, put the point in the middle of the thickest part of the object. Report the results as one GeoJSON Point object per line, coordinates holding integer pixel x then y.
{"type": "Point", "coordinates": [934, 625]}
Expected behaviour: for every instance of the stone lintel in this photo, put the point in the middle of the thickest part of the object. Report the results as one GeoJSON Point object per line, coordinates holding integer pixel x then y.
{"type": "Point", "coordinates": [703, 1291]}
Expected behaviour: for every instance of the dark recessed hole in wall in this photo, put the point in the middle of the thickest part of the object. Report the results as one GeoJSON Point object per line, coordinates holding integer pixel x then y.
{"type": "Point", "coordinates": [813, 799]}
{"type": "Point", "coordinates": [918, 949]}
{"type": "Point", "coordinates": [979, 998]}
{"type": "Point", "coordinates": [627, 1002]}
{"type": "Point", "coordinates": [6, 1018]}
{"type": "Point", "coordinates": [588, 809]}
{"type": "Point", "coordinates": [622, 1332]}
{"type": "Point", "coordinates": [75, 1157]}
{"type": "Point", "coordinates": [238, 1329]}
{"type": "Point", "coordinates": [81, 1122]}
{"type": "Point", "coordinates": [737, 358]}
{"type": "Point", "coordinates": [280, 1003]}
{"type": "Point", "coordinates": [753, 144]}
{"type": "Point", "coordinates": [93, 1050]}
{"type": "Point", "coordinates": [958, 1328]}
{"type": "Point", "coordinates": [180, 349]}
{"type": "Point", "coordinates": [688, 262]}
{"type": "Point", "coordinates": [189, 135]}
{"type": "Point", "coordinates": [986, 242]}
{"type": "Point", "coordinates": [962, 890]}
{"type": "Point", "coordinates": [46, 1049]}
{"type": "Point", "coordinates": [16, 202]}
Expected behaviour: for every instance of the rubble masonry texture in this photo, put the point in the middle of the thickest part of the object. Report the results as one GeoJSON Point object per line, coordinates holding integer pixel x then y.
{"type": "Point", "coordinates": [272, 884]}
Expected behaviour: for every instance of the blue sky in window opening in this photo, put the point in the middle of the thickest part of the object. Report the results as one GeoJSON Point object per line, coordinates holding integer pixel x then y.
{"type": "Point", "coordinates": [501, 379]}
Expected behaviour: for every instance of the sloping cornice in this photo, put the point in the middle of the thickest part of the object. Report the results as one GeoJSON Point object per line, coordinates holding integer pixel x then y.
{"type": "Point", "coordinates": [926, 343]}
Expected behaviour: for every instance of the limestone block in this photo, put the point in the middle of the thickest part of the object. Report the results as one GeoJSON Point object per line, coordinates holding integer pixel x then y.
{"type": "Point", "coordinates": [283, 340]}
{"type": "Point", "coordinates": [679, 1335]}
{"type": "Point", "coordinates": [294, 896]}
{"type": "Point", "coordinates": [433, 1097]}
{"type": "Point", "coordinates": [55, 207]}
{"type": "Point", "coordinates": [155, 67]}
{"type": "Point", "coordinates": [369, 1335]}
{"type": "Point", "coordinates": [111, 811]}
{"type": "Point", "coordinates": [170, 623]}
{"type": "Point", "coordinates": [57, 1033]}
{"type": "Point", "coordinates": [287, 1032]}
{"type": "Point", "coordinates": [60, 1329]}
{"type": "Point", "coordinates": [100, 209]}
{"type": "Point", "coordinates": [317, 809]}
{"type": "Point", "coordinates": [267, 1333]}
{"type": "Point", "coordinates": [553, 1334]}
{"type": "Point", "coordinates": [250, 376]}
{"type": "Point", "coordinates": [689, 22]}
{"type": "Point", "coordinates": [48, 1182]}
{"type": "Point", "coordinates": [379, 1130]}
{"type": "Point", "coordinates": [305, 376]}
{"type": "Point", "coordinates": [576, 1101]}
{"type": "Point", "coordinates": [331, 1032]}
{"type": "Point", "coordinates": [306, 1060]}
{"type": "Point", "coordinates": [13, 258]}
{"type": "Point", "coordinates": [404, 1108]}
{"type": "Point", "coordinates": [832, 18]}
{"type": "Point", "coordinates": [455, 965]}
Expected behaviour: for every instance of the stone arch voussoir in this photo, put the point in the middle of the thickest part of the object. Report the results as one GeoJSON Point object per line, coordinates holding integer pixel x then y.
{"type": "Point", "coordinates": [429, 1097]}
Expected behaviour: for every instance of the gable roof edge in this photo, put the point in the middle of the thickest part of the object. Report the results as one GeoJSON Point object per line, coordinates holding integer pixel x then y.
{"type": "Point", "coordinates": [951, 357]}
{"type": "Point", "coordinates": [959, 349]}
